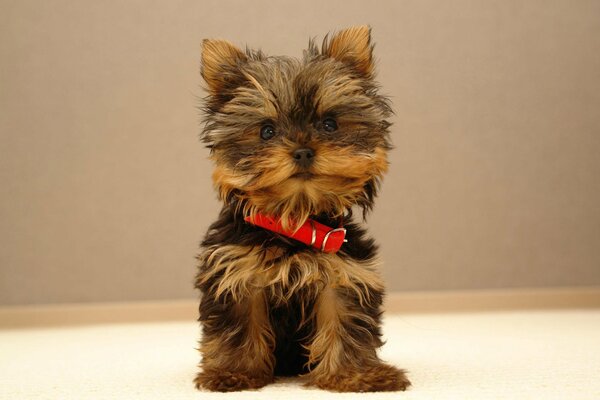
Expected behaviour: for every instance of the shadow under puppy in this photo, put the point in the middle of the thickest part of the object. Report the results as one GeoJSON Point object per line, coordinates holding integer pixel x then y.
{"type": "Point", "coordinates": [296, 144]}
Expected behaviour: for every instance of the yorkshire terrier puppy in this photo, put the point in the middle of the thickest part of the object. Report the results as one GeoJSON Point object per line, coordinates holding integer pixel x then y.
{"type": "Point", "coordinates": [289, 282]}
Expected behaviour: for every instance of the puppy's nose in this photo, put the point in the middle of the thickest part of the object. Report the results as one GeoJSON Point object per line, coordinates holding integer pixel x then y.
{"type": "Point", "coordinates": [304, 157]}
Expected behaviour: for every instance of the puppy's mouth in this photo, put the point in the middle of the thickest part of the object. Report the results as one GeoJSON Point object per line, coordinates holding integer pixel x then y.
{"type": "Point", "coordinates": [303, 175]}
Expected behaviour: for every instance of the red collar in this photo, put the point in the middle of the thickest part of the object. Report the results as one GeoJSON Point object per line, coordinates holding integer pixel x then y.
{"type": "Point", "coordinates": [312, 233]}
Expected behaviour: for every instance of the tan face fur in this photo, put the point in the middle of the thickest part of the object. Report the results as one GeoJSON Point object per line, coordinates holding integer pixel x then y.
{"type": "Point", "coordinates": [248, 90]}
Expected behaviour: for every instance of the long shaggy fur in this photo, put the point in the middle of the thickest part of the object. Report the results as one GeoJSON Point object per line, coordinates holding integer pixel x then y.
{"type": "Point", "coordinates": [270, 305]}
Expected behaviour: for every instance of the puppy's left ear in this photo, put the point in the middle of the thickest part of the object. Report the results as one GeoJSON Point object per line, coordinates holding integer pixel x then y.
{"type": "Point", "coordinates": [220, 65]}
{"type": "Point", "coordinates": [353, 47]}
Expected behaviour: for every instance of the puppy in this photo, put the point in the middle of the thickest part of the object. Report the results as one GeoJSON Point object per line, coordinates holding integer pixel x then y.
{"type": "Point", "coordinates": [289, 282]}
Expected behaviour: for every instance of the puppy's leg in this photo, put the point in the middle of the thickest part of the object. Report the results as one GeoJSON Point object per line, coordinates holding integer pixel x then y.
{"type": "Point", "coordinates": [343, 350]}
{"type": "Point", "coordinates": [237, 344]}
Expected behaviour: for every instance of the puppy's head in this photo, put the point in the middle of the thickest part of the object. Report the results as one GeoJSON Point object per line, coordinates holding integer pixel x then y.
{"type": "Point", "coordinates": [294, 138]}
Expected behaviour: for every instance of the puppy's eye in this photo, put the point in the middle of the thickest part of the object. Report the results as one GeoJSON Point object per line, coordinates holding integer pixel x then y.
{"type": "Point", "coordinates": [330, 125]}
{"type": "Point", "coordinates": [267, 132]}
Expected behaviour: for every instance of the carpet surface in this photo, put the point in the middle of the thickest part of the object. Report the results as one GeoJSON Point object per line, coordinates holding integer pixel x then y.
{"type": "Point", "coordinates": [502, 355]}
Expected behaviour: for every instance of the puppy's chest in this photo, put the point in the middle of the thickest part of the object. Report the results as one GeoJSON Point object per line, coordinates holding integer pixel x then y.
{"type": "Point", "coordinates": [240, 270]}
{"type": "Point", "coordinates": [277, 270]}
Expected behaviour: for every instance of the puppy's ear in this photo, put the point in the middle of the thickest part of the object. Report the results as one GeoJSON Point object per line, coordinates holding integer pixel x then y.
{"type": "Point", "coordinates": [353, 47]}
{"type": "Point", "coordinates": [220, 64]}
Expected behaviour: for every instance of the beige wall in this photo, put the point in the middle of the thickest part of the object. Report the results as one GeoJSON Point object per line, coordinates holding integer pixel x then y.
{"type": "Point", "coordinates": [105, 190]}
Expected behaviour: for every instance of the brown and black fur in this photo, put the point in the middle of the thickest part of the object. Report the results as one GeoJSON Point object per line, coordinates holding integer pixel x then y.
{"type": "Point", "coordinates": [271, 305]}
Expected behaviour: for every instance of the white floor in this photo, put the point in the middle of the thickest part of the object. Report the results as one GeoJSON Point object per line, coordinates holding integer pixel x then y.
{"type": "Point", "coordinates": [524, 355]}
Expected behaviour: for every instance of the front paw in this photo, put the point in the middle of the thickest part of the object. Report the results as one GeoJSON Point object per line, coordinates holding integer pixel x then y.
{"type": "Point", "coordinates": [378, 378]}
{"type": "Point", "coordinates": [226, 381]}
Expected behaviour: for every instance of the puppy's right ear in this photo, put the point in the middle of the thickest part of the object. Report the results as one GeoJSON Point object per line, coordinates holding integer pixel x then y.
{"type": "Point", "coordinates": [353, 47]}
{"type": "Point", "coordinates": [220, 64]}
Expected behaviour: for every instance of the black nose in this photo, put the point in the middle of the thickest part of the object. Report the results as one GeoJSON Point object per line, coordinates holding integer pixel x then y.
{"type": "Point", "coordinates": [304, 157]}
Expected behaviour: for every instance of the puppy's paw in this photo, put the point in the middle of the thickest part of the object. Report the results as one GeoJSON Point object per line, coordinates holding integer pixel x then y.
{"type": "Point", "coordinates": [226, 381]}
{"type": "Point", "coordinates": [378, 378]}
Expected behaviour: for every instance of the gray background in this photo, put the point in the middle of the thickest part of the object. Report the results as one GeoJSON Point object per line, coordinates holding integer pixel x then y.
{"type": "Point", "coordinates": [105, 189]}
